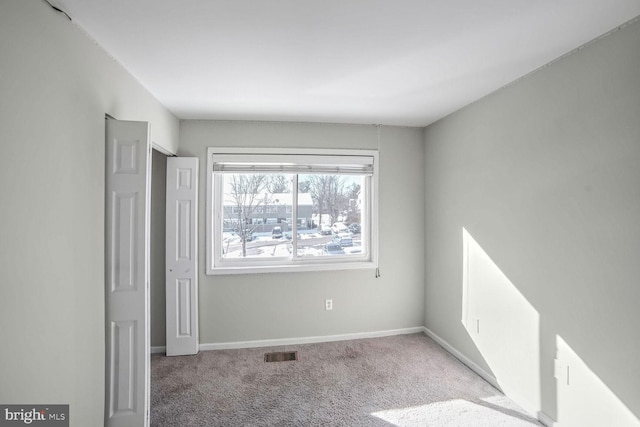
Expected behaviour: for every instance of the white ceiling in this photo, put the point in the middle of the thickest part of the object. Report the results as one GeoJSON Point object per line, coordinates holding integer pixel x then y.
{"type": "Point", "coordinates": [403, 62]}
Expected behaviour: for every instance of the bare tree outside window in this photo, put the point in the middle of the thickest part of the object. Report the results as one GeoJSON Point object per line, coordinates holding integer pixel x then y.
{"type": "Point", "coordinates": [278, 184]}
{"type": "Point", "coordinates": [245, 190]}
{"type": "Point", "coordinates": [336, 200]}
{"type": "Point", "coordinates": [353, 191]}
{"type": "Point", "coordinates": [327, 192]}
{"type": "Point", "coordinates": [304, 187]}
{"type": "Point", "coordinates": [353, 197]}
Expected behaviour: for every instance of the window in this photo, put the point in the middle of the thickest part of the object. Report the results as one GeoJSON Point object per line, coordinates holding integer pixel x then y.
{"type": "Point", "coordinates": [290, 210]}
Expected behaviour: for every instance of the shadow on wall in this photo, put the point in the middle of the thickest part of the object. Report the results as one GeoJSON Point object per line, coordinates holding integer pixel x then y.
{"type": "Point", "coordinates": [505, 328]}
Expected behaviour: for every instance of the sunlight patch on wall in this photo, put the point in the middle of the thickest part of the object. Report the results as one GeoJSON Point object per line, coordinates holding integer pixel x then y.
{"type": "Point", "coordinates": [503, 325]}
{"type": "Point", "coordinates": [583, 398]}
{"type": "Point", "coordinates": [456, 412]}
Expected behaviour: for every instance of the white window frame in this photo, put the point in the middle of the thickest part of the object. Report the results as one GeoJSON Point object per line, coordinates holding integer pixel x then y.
{"type": "Point", "coordinates": [215, 265]}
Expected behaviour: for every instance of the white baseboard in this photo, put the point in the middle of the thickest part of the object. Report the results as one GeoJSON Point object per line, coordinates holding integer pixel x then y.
{"type": "Point", "coordinates": [159, 349]}
{"type": "Point", "coordinates": [541, 416]}
{"type": "Point", "coordinates": [464, 359]}
{"type": "Point", "coordinates": [308, 340]}
{"type": "Point", "coordinates": [547, 420]}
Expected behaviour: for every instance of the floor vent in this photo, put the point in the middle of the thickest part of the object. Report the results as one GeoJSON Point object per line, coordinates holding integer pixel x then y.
{"type": "Point", "coordinates": [281, 356]}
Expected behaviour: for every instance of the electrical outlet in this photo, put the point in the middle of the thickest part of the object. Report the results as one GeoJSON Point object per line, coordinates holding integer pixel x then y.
{"type": "Point", "coordinates": [328, 304]}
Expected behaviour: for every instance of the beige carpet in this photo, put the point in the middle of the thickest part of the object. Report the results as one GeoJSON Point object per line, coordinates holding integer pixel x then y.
{"type": "Point", "coordinates": [405, 380]}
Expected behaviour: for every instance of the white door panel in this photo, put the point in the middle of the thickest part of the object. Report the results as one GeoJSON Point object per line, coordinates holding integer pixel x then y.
{"type": "Point", "coordinates": [182, 256]}
{"type": "Point", "coordinates": [127, 273]}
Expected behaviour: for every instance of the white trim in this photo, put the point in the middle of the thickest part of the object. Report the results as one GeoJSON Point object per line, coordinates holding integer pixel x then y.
{"type": "Point", "coordinates": [309, 340]}
{"type": "Point", "coordinates": [547, 420]}
{"type": "Point", "coordinates": [162, 150]}
{"type": "Point", "coordinates": [158, 349]}
{"type": "Point", "coordinates": [341, 264]}
{"type": "Point", "coordinates": [464, 359]}
{"type": "Point", "coordinates": [209, 220]}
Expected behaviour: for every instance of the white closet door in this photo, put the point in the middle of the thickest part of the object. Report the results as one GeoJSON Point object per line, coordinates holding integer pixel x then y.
{"type": "Point", "coordinates": [127, 273]}
{"type": "Point", "coordinates": [182, 256]}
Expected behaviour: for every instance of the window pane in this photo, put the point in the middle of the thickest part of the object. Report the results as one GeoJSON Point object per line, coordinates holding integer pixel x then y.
{"type": "Point", "coordinates": [329, 215]}
{"type": "Point", "coordinates": [256, 216]}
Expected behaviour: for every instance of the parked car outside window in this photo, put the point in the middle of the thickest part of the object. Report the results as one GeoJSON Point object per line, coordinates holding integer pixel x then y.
{"type": "Point", "coordinates": [276, 233]}
{"type": "Point", "coordinates": [355, 228]}
{"type": "Point", "coordinates": [343, 239]}
{"type": "Point", "coordinates": [325, 229]}
{"type": "Point", "coordinates": [332, 249]}
{"type": "Point", "coordinates": [339, 227]}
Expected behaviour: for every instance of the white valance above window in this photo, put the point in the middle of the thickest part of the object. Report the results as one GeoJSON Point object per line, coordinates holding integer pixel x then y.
{"type": "Point", "coordinates": [293, 163]}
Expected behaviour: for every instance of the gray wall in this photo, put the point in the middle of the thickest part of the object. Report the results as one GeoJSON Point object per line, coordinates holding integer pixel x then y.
{"type": "Point", "coordinates": [272, 306]}
{"type": "Point", "coordinates": [545, 176]}
{"type": "Point", "coordinates": [157, 253]}
{"type": "Point", "coordinates": [56, 86]}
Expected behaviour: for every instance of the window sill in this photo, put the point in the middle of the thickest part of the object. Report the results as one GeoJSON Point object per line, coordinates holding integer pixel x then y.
{"type": "Point", "coordinates": [292, 268]}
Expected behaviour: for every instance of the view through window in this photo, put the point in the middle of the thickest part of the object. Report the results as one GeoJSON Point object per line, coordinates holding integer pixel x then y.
{"type": "Point", "coordinates": [281, 210]}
